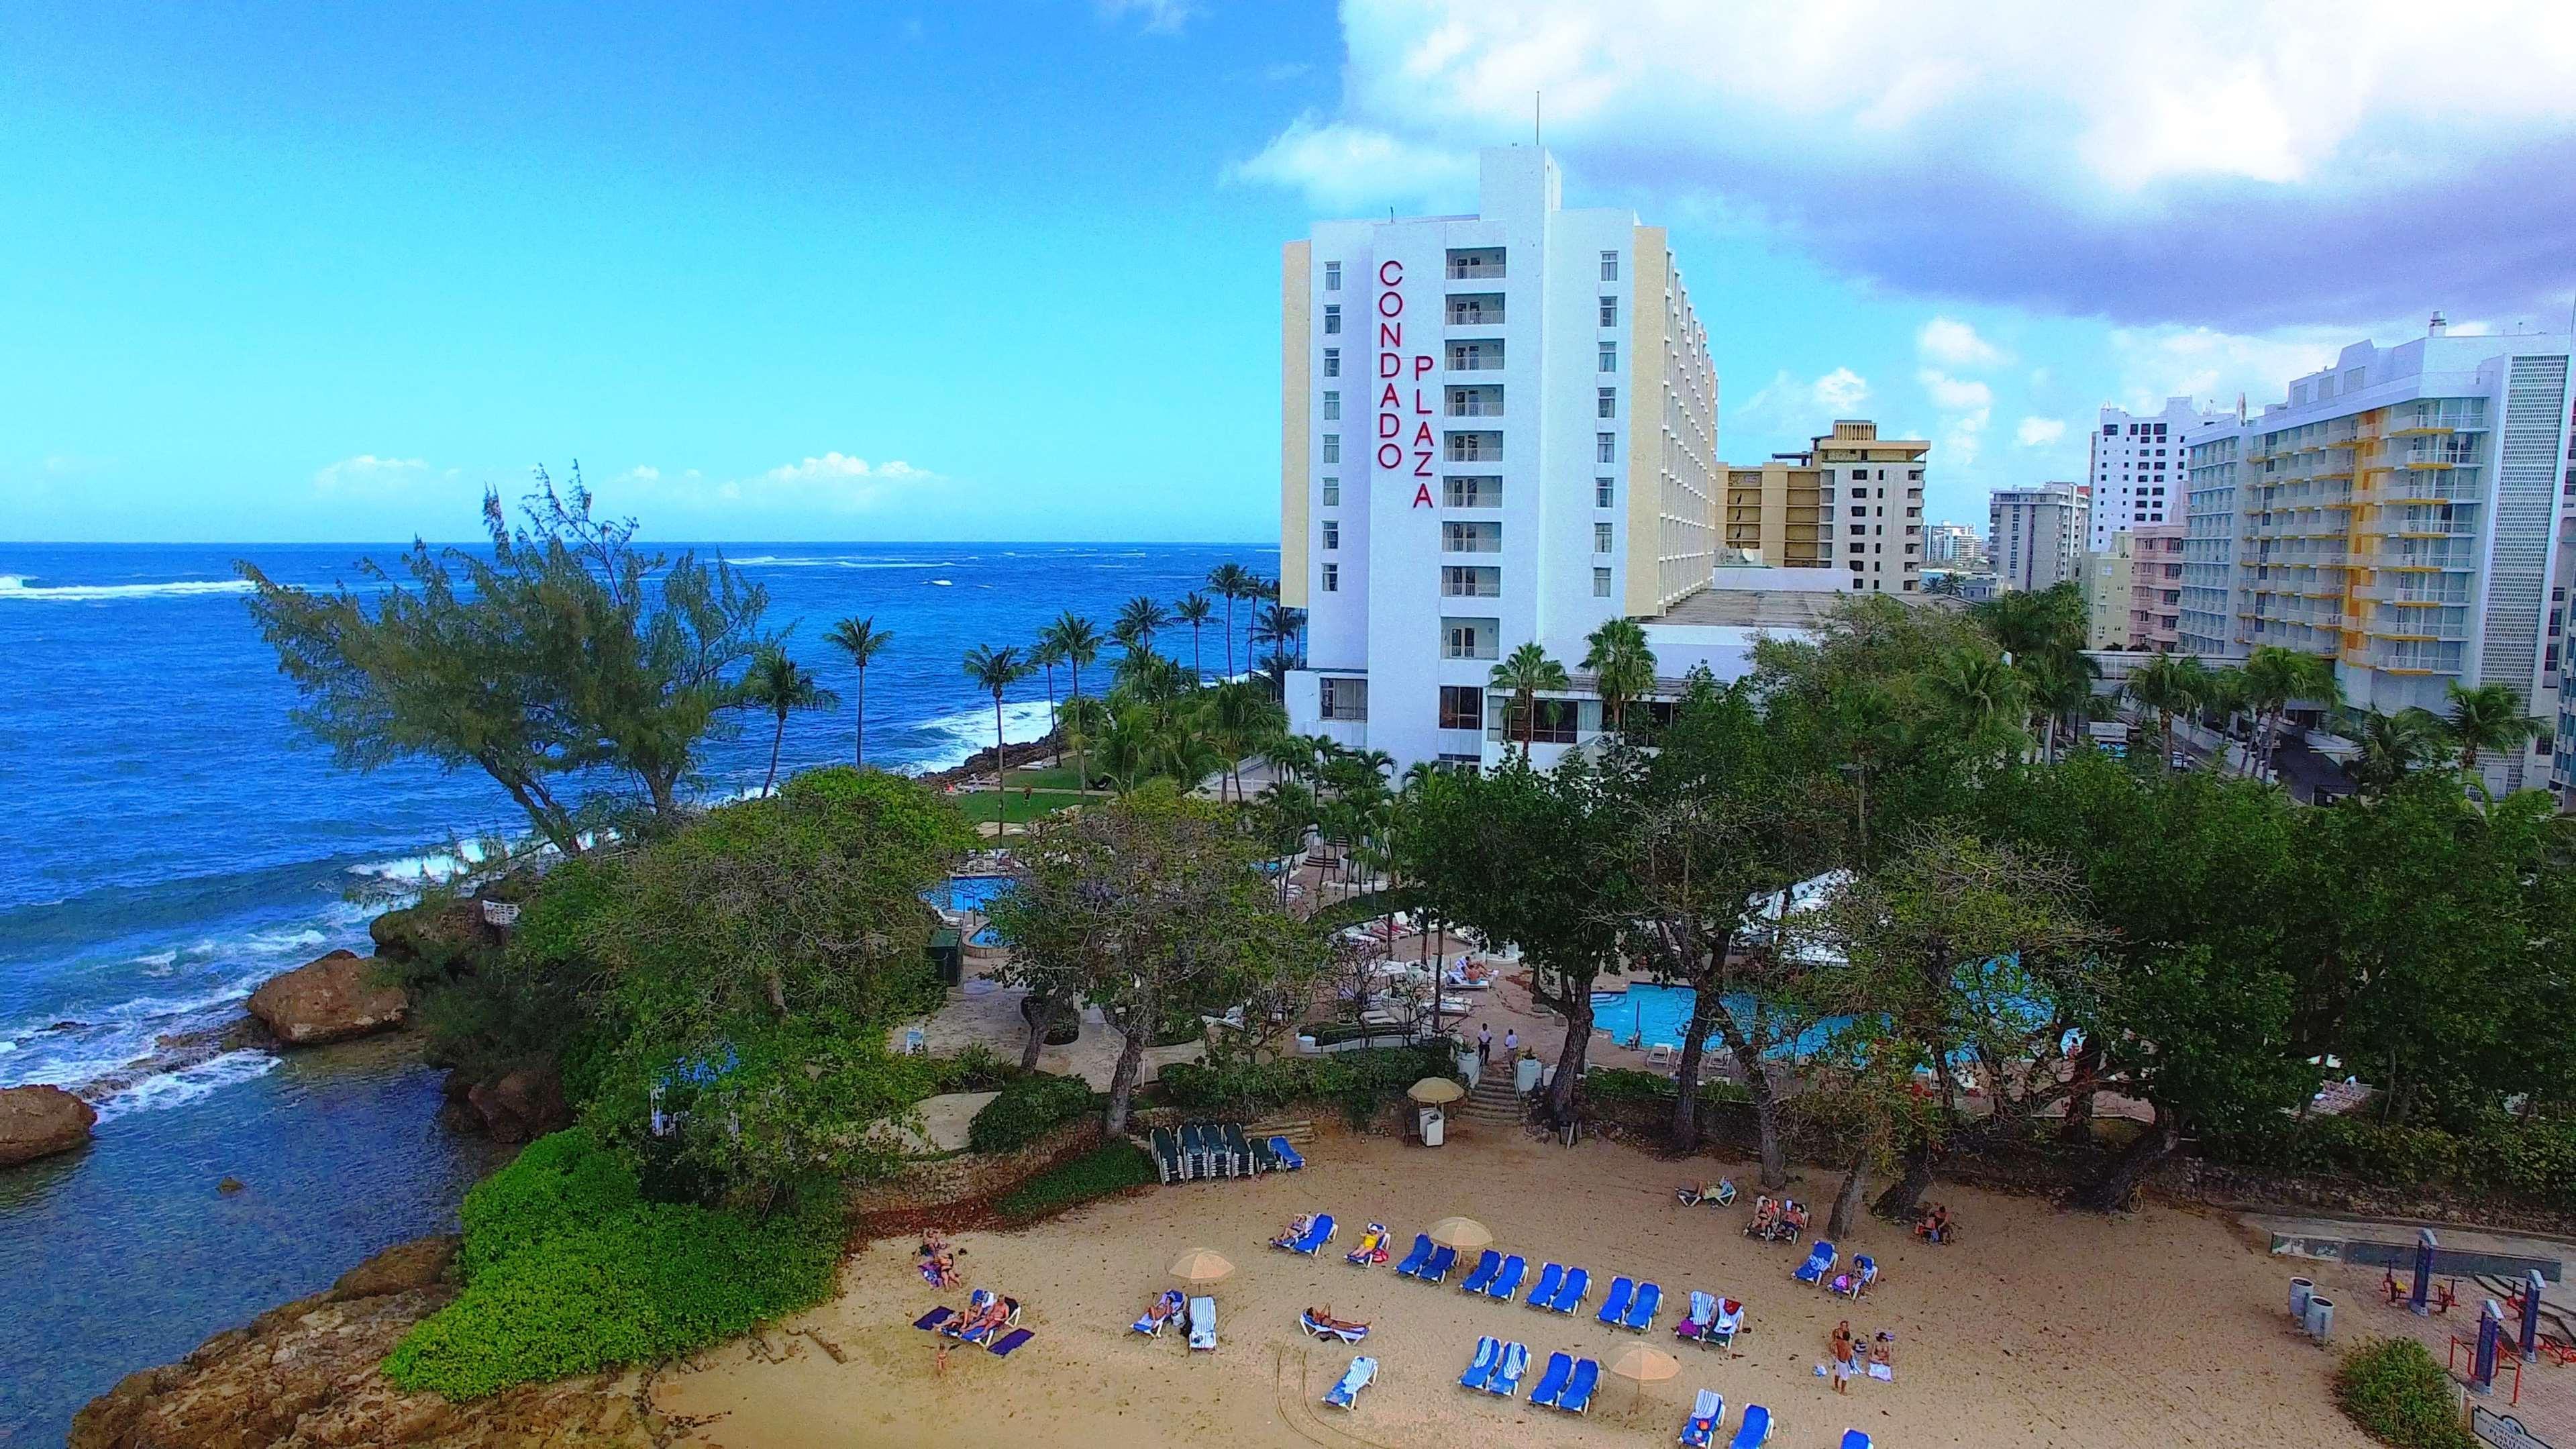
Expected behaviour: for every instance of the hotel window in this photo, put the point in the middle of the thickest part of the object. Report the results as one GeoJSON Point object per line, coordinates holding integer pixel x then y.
{"type": "Point", "coordinates": [1332, 318]}
{"type": "Point", "coordinates": [1332, 447]}
{"type": "Point", "coordinates": [1609, 357]}
{"type": "Point", "coordinates": [1470, 638]}
{"type": "Point", "coordinates": [1471, 581]}
{"type": "Point", "coordinates": [1609, 266]}
{"type": "Point", "coordinates": [1471, 492]}
{"type": "Point", "coordinates": [1601, 538]}
{"type": "Point", "coordinates": [1342, 698]}
{"type": "Point", "coordinates": [1332, 276]}
{"type": "Point", "coordinates": [1462, 707]}
{"type": "Point", "coordinates": [1332, 578]}
{"type": "Point", "coordinates": [1609, 311]}
{"type": "Point", "coordinates": [1332, 407]}
{"type": "Point", "coordinates": [1605, 402]}
{"type": "Point", "coordinates": [1332, 362]}
{"type": "Point", "coordinates": [1332, 534]}
{"type": "Point", "coordinates": [1471, 538]}
{"type": "Point", "coordinates": [1600, 583]}
{"type": "Point", "coordinates": [1332, 493]}
{"type": "Point", "coordinates": [1605, 447]}
{"type": "Point", "coordinates": [1602, 492]}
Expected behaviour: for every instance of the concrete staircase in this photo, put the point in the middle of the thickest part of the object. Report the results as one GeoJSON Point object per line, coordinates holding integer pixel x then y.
{"type": "Point", "coordinates": [1490, 1104]}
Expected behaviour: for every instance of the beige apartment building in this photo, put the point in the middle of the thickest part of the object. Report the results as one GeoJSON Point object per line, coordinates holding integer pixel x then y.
{"type": "Point", "coordinates": [1852, 502]}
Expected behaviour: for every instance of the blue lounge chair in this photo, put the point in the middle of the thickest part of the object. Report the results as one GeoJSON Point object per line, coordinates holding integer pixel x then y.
{"type": "Point", "coordinates": [1577, 1397]}
{"type": "Point", "coordinates": [1437, 1270]}
{"type": "Point", "coordinates": [1287, 1155]}
{"type": "Point", "coordinates": [1864, 1271]}
{"type": "Point", "coordinates": [1361, 1373]}
{"type": "Point", "coordinates": [1489, 1356]}
{"type": "Point", "coordinates": [1550, 1278]}
{"type": "Point", "coordinates": [1855, 1439]}
{"type": "Point", "coordinates": [1165, 1309]}
{"type": "Point", "coordinates": [1372, 1248]}
{"type": "Point", "coordinates": [1167, 1155]}
{"type": "Point", "coordinates": [1507, 1376]}
{"type": "Point", "coordinates": [1318, 1233]}
{"type": "Point", "coordinates": [1508, 1281]}
{"type": "Point", "coordinates": [1560, 1367]}
{"type": "Point", "coordinates": [1820, 1261]}
{"type": "Point", "coordinates": [1413, 1262]}
{"type": "Point", "coordinates": [1755, 1431]}
{"type": "Point", "coordinates": [1486, 1267]}
{"type": "Point", "coordinates": [1203, 1324]}
{"type": "Point", "coordinates": [1701, 1431]}
{"type": "Point", "coordinates": [1570, 1295]}
{"type": "Point", "coordinates": [1346, 1332]}
{"type": "Point", "coordinates": [1642, 1308]}
{"type": "Point", "coordinates": [1615, 1307]}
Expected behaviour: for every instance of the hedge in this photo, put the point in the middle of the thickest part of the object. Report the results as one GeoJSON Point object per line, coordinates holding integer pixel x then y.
{"type": "Point", "coordinates": [558, 1179]}
{"type": "Point", "coordinates": [1028, 1108]}
{"type": "Point", "coordinates": [1611, 1086]}
{"type": "Point", "coordinates": [2392, 1388]}
{"type": "Point", "coordinates": [1359, 1082]}
{"type": "Point", "coordinates": [1107, 1170]}
{"type": "Point", "coordinates": [2531, 1159]}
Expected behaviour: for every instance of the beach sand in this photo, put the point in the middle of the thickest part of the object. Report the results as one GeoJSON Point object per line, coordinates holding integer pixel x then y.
{"type": "Point", "coordinates": [2039, 1328]}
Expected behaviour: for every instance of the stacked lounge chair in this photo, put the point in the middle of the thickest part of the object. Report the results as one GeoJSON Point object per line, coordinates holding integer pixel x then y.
{"type": "Point", "coordinates": [1755, 1431]}
{"type": "Point", "coordinates": [1700, 1431]}
{"type": "Point", "coordinates": [1346, 1394]}
{"type": "Point", "coordinates": [1198, 1150]}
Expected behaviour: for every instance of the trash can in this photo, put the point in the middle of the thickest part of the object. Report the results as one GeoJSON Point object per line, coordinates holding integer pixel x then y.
{"type": "Point", "coordinates": [2301, 1289]}
{"type": "Point", "coordinates": [2320, 1316]}
{"type": "Point", "coordinates": [1525, 1075]}
{"type": "Point", "coordinates": [1433, 1128]}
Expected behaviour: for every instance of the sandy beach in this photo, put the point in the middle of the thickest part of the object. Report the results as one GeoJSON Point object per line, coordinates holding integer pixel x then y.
{"type": "Point", "coordinates": [2039, 1328]}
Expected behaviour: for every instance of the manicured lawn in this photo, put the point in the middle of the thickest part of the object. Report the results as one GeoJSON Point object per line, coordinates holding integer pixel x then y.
{"type": "Point", "coordinates": [1042, 777]}
{"type": "Point", "coordinates": [979, 805]}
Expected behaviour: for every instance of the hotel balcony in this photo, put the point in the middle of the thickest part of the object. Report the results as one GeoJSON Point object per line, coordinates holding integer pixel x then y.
{"type": "Point", "coordinates": [1479, 356]}
{"type": "Point", "coordinates": [1475, 263]}
{"type": "Point", "coordinates": [1473, 309]}
{"type": "Point", "coordinates": [1472, 447]}
{"type": "Point", "coordinates": [1473, 402]}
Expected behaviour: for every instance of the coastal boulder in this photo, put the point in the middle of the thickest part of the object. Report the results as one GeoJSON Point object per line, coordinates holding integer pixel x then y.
{"type": "Point", "coordinates": [41, 1121]}
{"type": "Point", "coordinates": [332, 998]}
{"type": "Point", "coordinates": [446, 935]}
{"type": "Point", "coordinates": [519, 1105]}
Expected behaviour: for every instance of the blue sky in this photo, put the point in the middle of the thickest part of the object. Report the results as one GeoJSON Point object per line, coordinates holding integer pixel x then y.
{"type": "Point", "coordinates": [1009, 270]}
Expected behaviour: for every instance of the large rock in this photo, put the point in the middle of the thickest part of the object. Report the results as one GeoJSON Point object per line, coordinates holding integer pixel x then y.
{"type": "Point", "coordinates": [41, 1121]}
{"type": "Point", "coordinates": [445, 934]}
{"type": "Point", "coordinates": [521, 1104]}
{"type": "Point", "coordinates": [305, 1375]}
{"type": "Point", "coordinates": [329, 999]}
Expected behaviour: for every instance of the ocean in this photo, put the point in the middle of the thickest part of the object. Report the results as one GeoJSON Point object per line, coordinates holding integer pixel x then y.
{"type": "Point", "coordinates": [169, 840]}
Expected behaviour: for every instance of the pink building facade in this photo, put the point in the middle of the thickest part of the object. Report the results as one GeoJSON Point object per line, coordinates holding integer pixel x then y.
{"type": "Point", "coordinates": [2155, 587]}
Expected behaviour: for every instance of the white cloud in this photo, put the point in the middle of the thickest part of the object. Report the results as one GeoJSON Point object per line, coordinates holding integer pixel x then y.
{"type": "Point", "coordinates": [1966, 406]}
{"type": "Point", "coordinates": [1343, 168]}
{"type": "Point", "coordinates": [367, 473]}
{"type": "Point", "coordinates": [1840, 390]}
{"type": "Point", "coordinates": [1164, 17]}
{"type": "Point", "coordinates": [2150, 163]}
{"type": "Point", "coordinates": [833, 480]}
{"type": "Point", "coordinates": [1953, 343]}
{"type": "Point", "coordinates": [2155, 363]}
{"type": "Point", "coordinates": [2039, 432]}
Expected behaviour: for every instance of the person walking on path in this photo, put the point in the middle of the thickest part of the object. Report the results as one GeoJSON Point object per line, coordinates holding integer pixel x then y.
{"type": "Point", "coordinates": [1511, 1043]}
{"type": "Point", "coordinates": [1484, 1046]}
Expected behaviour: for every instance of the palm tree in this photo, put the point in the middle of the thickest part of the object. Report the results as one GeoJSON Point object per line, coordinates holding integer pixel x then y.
{"type": "Point", "coordinates": [2275, 678]}
{"type": "Point", "coordinates": [1241, 719]}
{"type": "Point", "coordinates": [1229, 581]}
{"type": "Point", "coordinates": [1138, 618]}
{"type": "Point", "coordinates": [996, 670]}
{"type": "Point", "coordinates": [781, 686]}
{"type": "Point", "coordinates": [1982, 693]}
{"type": "Point", "coordinates": [1622, 665]}
{"type": "Point", "coordinates": [1072, 636]}
{"type": "Point", "coordinates": [1280, 624]}
{"type": "Point", "coordinates": [2060, 689]}
{"type": "Point", "coordinates": [2394, 746]}
{"type": "Point", "coordinates": [1046, 653]}
{"type": "Point", "coordinates": [1085, 718]}
{"type": "Point", "coordinates": [1193, 610]}
{"type": "Point", "coordinates": [861, 639]}
{"type": "Point", "coordinates": [2165, 686]}
{"type": "Point", "coordinates": [2488, 719]}
{"type": "Point", "coordinates": [1525, 671]}
{"type": "Point", "coordinates": [2220, 693]}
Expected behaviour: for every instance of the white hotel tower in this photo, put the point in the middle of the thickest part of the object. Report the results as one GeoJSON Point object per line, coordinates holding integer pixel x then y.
{"type": "Point", "coordinates": [1494, 429]}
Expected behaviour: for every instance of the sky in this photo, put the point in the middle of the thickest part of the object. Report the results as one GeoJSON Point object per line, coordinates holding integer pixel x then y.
{"type": "Point", "coordinates": [287, 271]}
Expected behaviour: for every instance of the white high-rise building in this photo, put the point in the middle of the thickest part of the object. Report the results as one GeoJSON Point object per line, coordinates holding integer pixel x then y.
{"type": "Point", "coordinates": [1495, 429]}
{"type": "Point", "coordinates": [2035, 536]}
{"type": "Point", "coordinates": [2410, 512]}
{"type": "Point", "coordinates": [2137, 466]}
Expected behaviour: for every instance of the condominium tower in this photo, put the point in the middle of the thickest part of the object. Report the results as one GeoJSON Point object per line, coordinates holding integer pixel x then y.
{"type": "Point", "coordinates": [1852, 503]}
{"type": "Point", "coordinates": [2137, 466]}
{"type": "Point", "coordinates": [2406, 511]}
{"type": "Point", "coordinates": [2035, 536]}
{"type": "Point", "coordinates": [1495, 429]}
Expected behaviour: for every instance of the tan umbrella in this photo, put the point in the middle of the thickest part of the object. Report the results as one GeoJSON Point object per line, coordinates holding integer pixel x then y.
{"type": "Point", "coordinates": [1435, 1090]}
{"type": "Point", "coordinates": [1645, 1365]}
{"type": "Point", "coordinates": [1201, 1265]}
{"type": "Point", "coordinates": [1466, 1235]}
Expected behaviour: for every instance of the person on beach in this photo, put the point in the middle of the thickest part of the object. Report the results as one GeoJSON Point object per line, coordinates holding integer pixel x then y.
{"type": "Point", "coordinates": [1765, 1213]}
{"type": "Point", "coordinates": [1484, 1045]}
{"type": "Point", "coordinates": [1844, 1356]}
{"type": "Point", "coordinates": [1882, 1356]}
{"type": "Point", "coordinates": [1294, 1232]}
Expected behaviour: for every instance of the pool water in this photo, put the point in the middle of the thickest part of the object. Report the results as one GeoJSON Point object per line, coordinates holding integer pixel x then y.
{"type": "Point", "coordinates": [968, 893]}
{"type": "Point", "coordinates": [1650, 1014]}
{"type": "Point", "coordinates": [984, 936]}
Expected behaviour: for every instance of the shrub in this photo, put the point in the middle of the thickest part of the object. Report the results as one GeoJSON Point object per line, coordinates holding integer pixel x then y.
{"type": "Point", "coordinates": [975, 1068]}
{"type": "Point", "coordinates": [1359, 1082]}
{"type": "Point", "coordinates": [2393, 1388]}
{"type": "Point", "coordinates": [1028, 1108]}
{"type": "Point", "coordinates": [2533, 1159]}
{"type": "Point", "coordinates": [1613, 1086]}
{"type": "Point", "coordinates": [1113, 1168]}
{"type": "Point", "coordinates": [562, 1178]}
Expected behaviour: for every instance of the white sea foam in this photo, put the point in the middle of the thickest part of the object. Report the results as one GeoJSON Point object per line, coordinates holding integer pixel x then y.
{"type": "Point", "coordinates": [774, 561]}
{"type": "Point", "coordinates": [960, 735]}
{"type": "Point", "coordinates": [7, 1047]}
{"type": "Point", "coordinates": [157, 958]}
{"type": "Point", "coordinates": [188, 1084]}
{"type": "Point", "coordinates": [425, 869]}
{"type": "Point", "coordinates": [942, 583]}
{"type": "Point", "coordinates": [15, 586]}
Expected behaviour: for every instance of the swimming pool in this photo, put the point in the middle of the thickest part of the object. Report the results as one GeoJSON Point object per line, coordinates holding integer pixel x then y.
{"type": "Point", "coordinates": [984, 936]}
{"type": "Point", "coordinates": [1650, 1014]}
{"type": "Point", "coordinates": [968, 892]}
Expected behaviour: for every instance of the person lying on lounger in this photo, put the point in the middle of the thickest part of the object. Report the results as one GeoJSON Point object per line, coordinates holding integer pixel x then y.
{"type": "Point", "coordinates": [1166, 1308]}
{"type": "Point", "coordinates": [1295, 1232]}
{"type": "Point", "coordinates": [1765, 1214]}
{"type": "Point", "coordinates": [993, 1315]}
{"type": "Point", "coordinates": [1324, 1319]}
{"type": "Point", "coordinates": [1792, 1215]}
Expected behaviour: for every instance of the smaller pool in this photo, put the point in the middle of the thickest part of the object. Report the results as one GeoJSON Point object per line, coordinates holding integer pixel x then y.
{"type": "Point", "coordinates": [984, 936]}
{"type": "Point", "coordinates": [967, 892]}
{"type": "Point", "coordinates": [1650, 1014]}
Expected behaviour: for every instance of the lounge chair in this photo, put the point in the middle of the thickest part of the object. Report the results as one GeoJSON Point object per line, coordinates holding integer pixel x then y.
{"type": "Point", "coordinates": [1165, 1309]}
{"type": "Point", "coordinates": [1864, 1271]}
{"type": "Point", "coordinates": [1372, 1248]}
{"type": "Point", "coordinates": [1415, 1261]}
{"type": "Point", "coordinates": [1221, 1138]}
{"type": "Point", "coordinates": [987, 1322]}
{"type": "Point", "coordinates": [1698, 1320]}
{"type": "Point", "coordinates": [1437, 1270]}
{"type": "Point", "coordinates": [1707, 1194]}
{"type": "Point", "coordinates": [1328, 1327]}
{"type": "Point", "coordinates": [1508, 1281]}
{"type": "Point", "coordinates": [1642, 1308]}
{"type": "Point", "coordinates": [1239, 1149]}
{"type": "Point", "coordinates": [1193, 1154]}
{"type": "Point", "coordinates": [1507, 1375]}
{"type": "Point", "coordinates": [1855, 1439]}
{"type": "Point", "coordinates": [1318, 1234]}
{"type": "Point", "coordinates": [1551, 1384]}
{"type": "Point", "coordinates": [1361, 1373]}
{"type": "Point", "coordinates": [1820, 1261]}
{"type": "Point", "coordinates": [1489, 1356]}
{"type": "Point", "coordinates": [1615, 1307]}
{"type": "Point", "coordinates": [1203, 1324]}
{"type": "Point", "coordinates": [1570, 1295]}
{"type": "Point", "coordinates": [1010, 1342]}
{"type": "Point", "coordinates": [1701, 1431]}
{"type": "Point", "coordinates": [1730, 1322]}
{"type": "Point", "coordinates": [1550, 1278]}
{"type": "Point", "coordinates": [1577, 1397]}
{"type": "Point", "coordinates": [1483, 1277]}
{"type": "Point", "coordinates": [1286, 1154]}
{"type": "Point", "coordinates": [1755, 1431]}
{"type": "Point", "coordinates": [1167, 1155]}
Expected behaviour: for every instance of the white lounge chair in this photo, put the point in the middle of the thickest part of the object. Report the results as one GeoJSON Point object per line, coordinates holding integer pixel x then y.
{"type": "Point", "coordinates": [1203, 1324]}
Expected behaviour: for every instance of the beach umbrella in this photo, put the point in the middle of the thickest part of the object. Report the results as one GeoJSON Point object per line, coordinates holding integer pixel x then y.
{"type": "Point", "coordinates": [1201, 1265]}
{"type": "Point", "coordinates": [1645, 1365]}
{"type": "Point", "coordinates": [1435, 1090]}
{"type": "Point", "coordinates": [1464, 1234]}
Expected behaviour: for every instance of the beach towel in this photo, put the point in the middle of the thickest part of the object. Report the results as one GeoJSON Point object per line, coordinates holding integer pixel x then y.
{"type": "Point", "coordinates": [934, 1318]}
{"type": "Point", "coordinates": [1010, 1342]}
